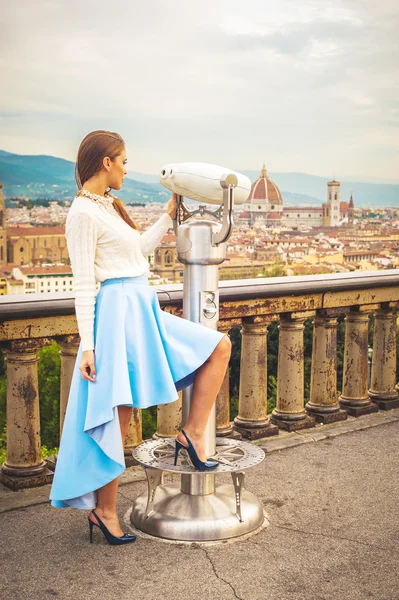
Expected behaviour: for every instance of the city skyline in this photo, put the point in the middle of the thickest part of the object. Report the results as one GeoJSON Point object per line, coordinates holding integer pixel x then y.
{"type": "Point", "coordinates": [301, 86]}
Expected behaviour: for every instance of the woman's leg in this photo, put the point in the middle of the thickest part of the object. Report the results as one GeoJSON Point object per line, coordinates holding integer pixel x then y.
{"type": "Point", "coordinates": [106, 495]}
{"type": "Point", "coordinates": [207, 383]}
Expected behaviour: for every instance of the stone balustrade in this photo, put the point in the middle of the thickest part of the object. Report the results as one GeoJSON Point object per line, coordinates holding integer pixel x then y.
{"type": "Point", "coordinates": [30, 322]}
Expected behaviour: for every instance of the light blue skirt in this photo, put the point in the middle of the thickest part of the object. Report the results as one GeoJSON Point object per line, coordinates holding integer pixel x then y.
{"type": "Point", "coordinates": [143, 357]}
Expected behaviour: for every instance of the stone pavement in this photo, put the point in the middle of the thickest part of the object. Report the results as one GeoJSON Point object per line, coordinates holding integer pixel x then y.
{"type": "Point", "coordinates": [331, 497]}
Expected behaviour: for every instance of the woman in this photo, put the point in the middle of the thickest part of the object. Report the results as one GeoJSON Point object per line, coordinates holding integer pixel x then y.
{"type": "Point", "coordinates": [131, 353]}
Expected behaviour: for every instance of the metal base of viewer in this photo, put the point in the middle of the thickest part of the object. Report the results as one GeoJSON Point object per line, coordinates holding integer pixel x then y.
{"type": "Point", "coordinates": [221, 512]}
{"type": "Point", "coordinates": [179, 516]}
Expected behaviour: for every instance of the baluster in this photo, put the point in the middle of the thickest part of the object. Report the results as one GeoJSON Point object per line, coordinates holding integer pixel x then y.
{"type": "Point", "coordinates": [354, 398]}
{"type": "Point", "coordinates": [252, 420]}
{"type": "Point", "coordinates": [134, 436]}
{"type": "Point", "coordinates": [169, 418]}
{"type": "Point", "coordinates": [290, 412]}
{"type": "Point", "coordinates": [69, 345]}
{"type": "Point", "coordinates": [383, 367]}
{"type": "Point", "coordinates": [24, 466]}
{"type": "Point", "coordinates": [323, 404]}
{"type": "Point", "coordinates": [224, 426]}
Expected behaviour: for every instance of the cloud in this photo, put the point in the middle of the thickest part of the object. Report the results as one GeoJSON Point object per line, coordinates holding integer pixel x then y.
{"type": "Point", "coordinates": [224, 81]}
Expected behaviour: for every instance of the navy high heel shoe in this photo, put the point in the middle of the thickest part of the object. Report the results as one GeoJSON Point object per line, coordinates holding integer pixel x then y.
{"type": "Point", "coordinates": [114, 540]}
{"type": "Point", "coordinates": [208, 465]}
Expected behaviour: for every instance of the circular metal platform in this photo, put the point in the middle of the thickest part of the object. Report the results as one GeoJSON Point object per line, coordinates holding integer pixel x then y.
{"type": "Point", "coordinates": [233, 455]}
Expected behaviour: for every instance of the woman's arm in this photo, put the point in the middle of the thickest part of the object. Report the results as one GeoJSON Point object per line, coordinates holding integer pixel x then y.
{"type": "Point", "coordinates": [81, 236]}
{"type": "Point", "coordinates": [151, 238]}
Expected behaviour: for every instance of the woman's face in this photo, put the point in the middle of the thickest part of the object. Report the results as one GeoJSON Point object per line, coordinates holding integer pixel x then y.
{"type": "Point", "coordinates": [118, 170]}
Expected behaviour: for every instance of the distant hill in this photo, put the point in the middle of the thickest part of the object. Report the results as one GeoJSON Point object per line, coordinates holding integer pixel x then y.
{"type": "Point", "coordinates": [49, 177]}
{"type": "Point", "coordinates": [45, 176]}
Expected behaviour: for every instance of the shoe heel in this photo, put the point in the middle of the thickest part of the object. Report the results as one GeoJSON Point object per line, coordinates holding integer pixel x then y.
{"type": "Point", "coordinates": [178, 447]}
{"type": "Point", "coordinates": [91, 524]}
{"type": "Point", "coordinates": [126, 538]}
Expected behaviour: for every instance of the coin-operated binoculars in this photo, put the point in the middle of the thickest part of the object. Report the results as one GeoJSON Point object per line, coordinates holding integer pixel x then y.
{"type": "Point", "coordinates": [198, 509]}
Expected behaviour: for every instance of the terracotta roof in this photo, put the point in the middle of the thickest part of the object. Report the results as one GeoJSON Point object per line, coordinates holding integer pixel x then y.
{"type": "Point", "coordinates": [31, 231]}
{"type": "Point", "coordinates": [291, 240]}
{"type": "Point", "coordinates": [42, 270]}
{"type": "Point", "coordinates": [169, 238]}
{"type": "Point", "coordinates": [5, 270]}
{"type": "Point", "coordinates": [357, 252]}
{"type": "Point", "coordinates": [295, 249]}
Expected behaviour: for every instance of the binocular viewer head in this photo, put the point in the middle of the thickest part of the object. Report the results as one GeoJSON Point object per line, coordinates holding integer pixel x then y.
{"type": "Point", "coordinates": [204, 182]}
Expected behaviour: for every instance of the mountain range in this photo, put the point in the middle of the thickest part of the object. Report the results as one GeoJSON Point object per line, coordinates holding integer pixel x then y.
{"type": "Point", "coordinates": [42, 176]}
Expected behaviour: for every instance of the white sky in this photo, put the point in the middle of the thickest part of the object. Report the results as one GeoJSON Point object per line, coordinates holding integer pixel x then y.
{"type": "Point", "coordinates": [303, 85]}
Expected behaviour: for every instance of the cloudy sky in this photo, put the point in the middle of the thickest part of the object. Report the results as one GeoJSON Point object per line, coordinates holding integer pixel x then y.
{"type": "Point", "coordinates": [304, 85]}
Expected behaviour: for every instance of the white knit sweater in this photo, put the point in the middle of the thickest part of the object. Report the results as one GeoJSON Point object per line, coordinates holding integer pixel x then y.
{"type": "Point", "coordinates": [102, 246]}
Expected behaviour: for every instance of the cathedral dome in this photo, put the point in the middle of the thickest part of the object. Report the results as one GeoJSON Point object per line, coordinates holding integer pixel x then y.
{"type": "Point", "coordinates": [265, 189]}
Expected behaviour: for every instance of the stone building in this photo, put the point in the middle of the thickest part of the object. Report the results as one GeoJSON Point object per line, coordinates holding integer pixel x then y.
{"type": "Point", "coordinates": [36, 245]}
{"type": "Point", "coordinates": [331, 210]}
{"type": "Point", "coordinates": [265, 207]}
{"type": "Point", "coordinates": [165, 264]}
{"type": "Point", "coordinates": [265, 203]}
{"type": "Point", "coordinates": [351, 213]}
{"type": "Point", "coordinates": [27, 245]}
{"type": "Point", "coordinates": [46, 279]}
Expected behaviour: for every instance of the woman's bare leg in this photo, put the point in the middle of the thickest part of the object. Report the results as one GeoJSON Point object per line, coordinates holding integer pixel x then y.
{"type": "Point", "coordinates": [207, 383]}
{"type": "Point", "coordinates": [106, 495]}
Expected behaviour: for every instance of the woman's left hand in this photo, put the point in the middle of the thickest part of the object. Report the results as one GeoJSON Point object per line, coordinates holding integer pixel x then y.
{"type": "Point", "coordinates": [172, 206]}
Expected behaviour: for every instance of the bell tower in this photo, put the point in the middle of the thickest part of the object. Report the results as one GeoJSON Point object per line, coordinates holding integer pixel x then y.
{"type": "Point", "coordinates": [351, 213]}
{"type": "Point", "coordinates": [3, 230]}
{"type": "Point", "coordinates": [334, 202]}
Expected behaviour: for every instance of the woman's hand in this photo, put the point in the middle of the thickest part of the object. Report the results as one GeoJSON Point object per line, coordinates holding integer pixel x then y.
{"type": "Point", "coordinates": [172, 207]}
{"type": "Point", "coordinates": [87, 367]}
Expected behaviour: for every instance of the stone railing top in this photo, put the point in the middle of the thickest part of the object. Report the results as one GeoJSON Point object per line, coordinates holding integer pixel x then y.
{"type": "Point", "coordinates": [268, 287]}
{"type": "Point", "coordinates": [22, 306]}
